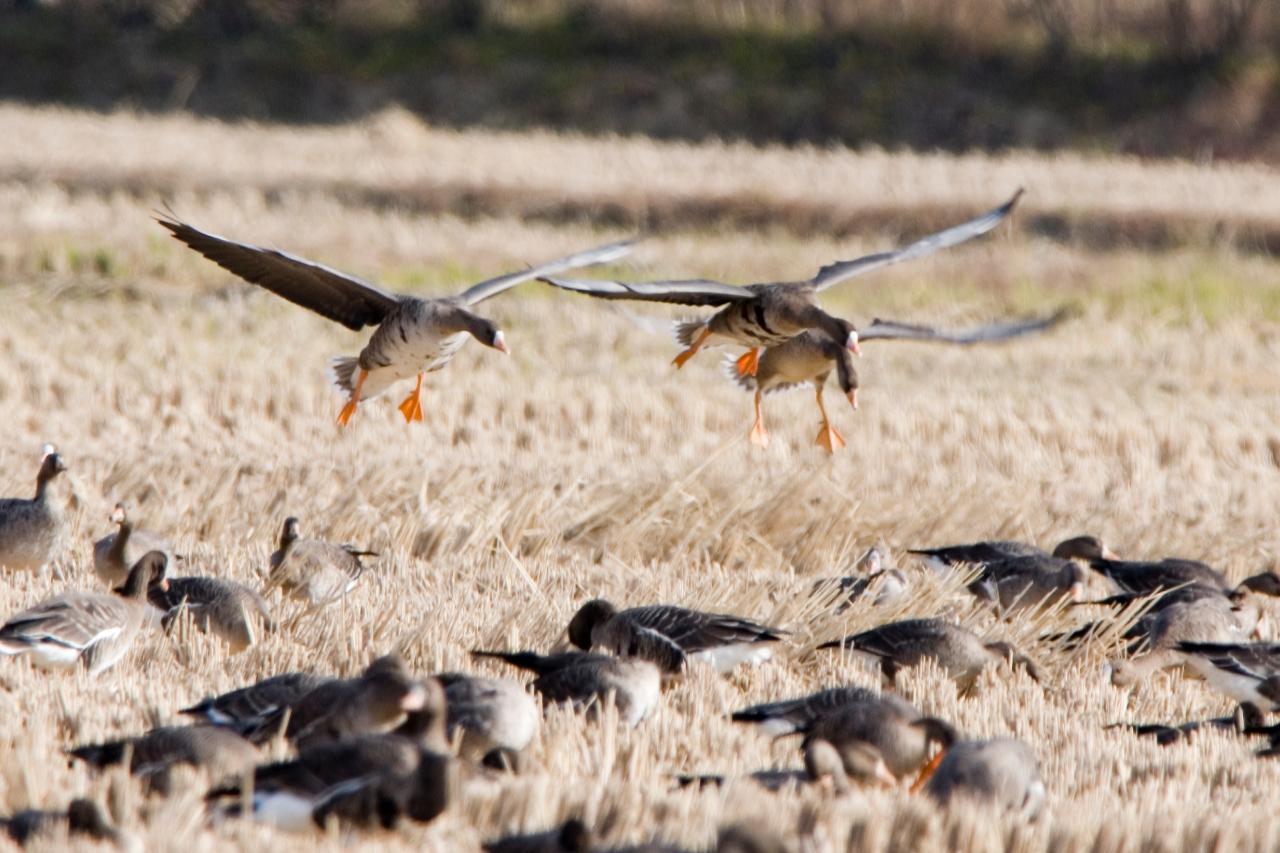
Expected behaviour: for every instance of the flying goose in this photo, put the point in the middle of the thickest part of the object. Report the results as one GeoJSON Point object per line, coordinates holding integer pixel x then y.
{"type": "Point", "coordinates": [363, 779]}
{"type": "Point", "coordinates": [33, 531]}
{"type": "Point", "coordinates": [114, 553]}
{"type": "Point", "coordinates": [313, 570]}
{"type": "Point", "coordinates": [764, 315]}
{"type": "Point", "coordinates": [978, 553]}
{"type": "Point", "coordinates": [247, 705]}
{"type": "Point", "coordinates": [823, 763]}
{"type": "Point", "coordinates": [585, 680]}
{"type": "Point", "coordinates": [414, 336]}
{"type": "Point", "coordinates": [811, 356]}
{"type": "Point", "coordinates": [787, 716]}
{"type": "Point", "coordinates": [961, 653]}
{"type": "Point", "coordinates": [901, 736]}
{"type": "Point", "coordinates": [375, 701]}
{"type": "Point", "coordinates": [721, 640]}
{"type": "Point", "coordinates": [96, 628]}
{"type": "Point", "coordinates": [1003, 772]}
{"type": "Point", "coordinates": [1145, 577]}
{"type": "Point", "coordinates": [83, 817]}
{"type": "Point", "coordinates": [493, 717]}
{"type": "Point", "coordinates": [229, 610]}
{"type": "Point", "coordinates": [220, 751]}
{"type": "Point", "coordinates": [1247, 672]}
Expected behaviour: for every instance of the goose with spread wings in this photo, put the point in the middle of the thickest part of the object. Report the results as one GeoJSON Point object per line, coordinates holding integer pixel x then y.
{"type": "Point", "coordinates": [413, 335]}
{"type": "Point", "coordinates": [763, 315]}
{"type": "Point", "coordinates": [812, 356]}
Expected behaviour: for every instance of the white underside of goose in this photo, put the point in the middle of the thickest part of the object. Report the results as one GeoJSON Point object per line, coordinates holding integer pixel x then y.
{"type": "Point", "coordinates": [777, 727]}
{"type": "Point", "coordinates": [1242, 688]}
{"type": "Point", "coordinates": [421, 354]}
{"type": "Point", "coordinates": [49, 652]}
{"type": "Point", "coordinates": [726, 658]}
{"type": "Point", "coordinates": [284, 810]}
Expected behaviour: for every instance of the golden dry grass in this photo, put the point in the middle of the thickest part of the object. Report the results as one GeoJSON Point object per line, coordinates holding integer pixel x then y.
{"type": "Point", "coordinates": [585, 466]}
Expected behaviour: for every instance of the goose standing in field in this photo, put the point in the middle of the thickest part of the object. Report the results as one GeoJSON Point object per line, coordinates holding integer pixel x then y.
{"type": "Point", "coordinates": [94, 628]}
{"type": "Point", "coordinates": [1028, 583]}
{"type": "Point", "coordinates": [374, 701]}
{"type": "Point", "coordinates": [313, 570]}
{"type": "Point", "coordinates": [1003, 772]}
{"type": "Point", "coordinates": [494, 718]}
{"type": "Point", "coordinates": [1208, 617]}
{"type": "Point", "coordinates": [765, 315]}
{"type": "Point", "coordinates": [585, 680]}
{"type": "Point", "coordinates": [1145, 577]}
{"type": "Point", "coordinates": [33, 531]}
{"type": "Point", "coordinates": [247, 704]}
{"type": "Point", "coordinates": [217, 750]}
{"type": "Point", "coordinates": [362, 779]}
{"type": "Point", "coordinates": [115, 553]}
{"type": "Point", "coordinates": [1086, 548]}
{"type": "Point", "coordinates": [962, 654]}
{"type": "Point", "coordinates": [721, 640]}
{"type": "Point", "coordinates": [855, 763]}
{"type": "Point", "coordinates": [898, 732]}
{"type": "Point", "coordinates": [83, 817]}
{"type": "Point", "coordinates": [787, 716]}
{"type": "Point", "coordinates": [883, 584]}
{"type": "Point", "coordinates": [810, 358]}
{"type": "Point", "coordinates": [225, 608]}
{"type": "Point", "coordinates": [413, 335]}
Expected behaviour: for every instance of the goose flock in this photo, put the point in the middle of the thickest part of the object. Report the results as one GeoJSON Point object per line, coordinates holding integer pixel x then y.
{"type": "Point", "coordinates": [389, 745]}
{"type": "Point", "coordinates": [386, 745]}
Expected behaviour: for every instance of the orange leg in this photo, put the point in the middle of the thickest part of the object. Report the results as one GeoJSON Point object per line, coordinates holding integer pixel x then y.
{"type": "Point", "coordinates": [927, 771]}
{"type": "Point", "coordinates": [749, 362]}
{"type": "Point", "coordinates": [354, 400]}
{"type": "Point", "coordinates": [759, 435]}
{"type": "Point", "coordinates": [412, 405]}
{"type": "Point", "coordinates": [697, 344]}
{"type": "Point", "coordinates": [828, 437]}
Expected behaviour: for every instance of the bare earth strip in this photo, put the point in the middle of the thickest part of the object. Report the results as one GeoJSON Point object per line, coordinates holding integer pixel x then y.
{"type": "Point", "coordinates": [584, 465]}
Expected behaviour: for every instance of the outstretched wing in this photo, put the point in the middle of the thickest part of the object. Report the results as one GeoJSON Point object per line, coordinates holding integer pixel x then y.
{"type": "Point", "coordinates": [340, 297]}
{"type": "Point", "coordinates": [698, 291]}
{"type": "Point", "coordinates": [990, 333]}
{"type": "Point", "coordinates": [599, 255]}
{"type": "Point", "coordinates": [837, 272]}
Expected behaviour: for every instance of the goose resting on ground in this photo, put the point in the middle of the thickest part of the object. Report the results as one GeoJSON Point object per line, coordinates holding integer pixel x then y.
{"type": "Point", "coordinates": [585, 680]}
{"type": "Point", "coordinates": [811, 356]}
{"type": "Point", "coordinates": [413, 335]}
{"type": "Point", "coordinates": [764, 315]}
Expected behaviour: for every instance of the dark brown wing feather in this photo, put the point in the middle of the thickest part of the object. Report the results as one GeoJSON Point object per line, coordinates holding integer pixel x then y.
{"type": "Point", "coordinates": [695, 630]}
{"type": "Point", "coordinates": [340, 297]}
{"type": "Point", "coordinates": [690, 292]}
{"type": "Point", "coordinates": [990, 333]}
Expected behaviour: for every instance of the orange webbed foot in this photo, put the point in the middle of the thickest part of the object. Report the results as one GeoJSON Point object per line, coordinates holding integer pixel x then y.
{"type": "Point", "coordinates": [759, 435]}
{"type": "Point", "coordinates": [829, 438]}
{"type": "Point", "coordinates": [749, 362]}
{"type": "Point", "coordinates": [411, 408]}
{"type": "Point", "coordinates": [694, 346]}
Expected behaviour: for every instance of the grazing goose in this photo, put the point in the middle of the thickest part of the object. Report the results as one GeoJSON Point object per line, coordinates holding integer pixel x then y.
{"type": "Point", "coordinates": [114, 553]}
{"type": "Point", "coordinates": [900, 735]}
{"type": "Point", "coordinates": [313, 570]}
{"type": "Point", "coordinates": [764, 315]}
{"type": "Point", "coordinates": [253, 703]}
{"type": "Point", "coordinates": [375, 701]}
{"type": "Point", "coordinates": [1003, 772]}
{"type": "Point", "coordinates": [82, 817]}
{"type": "Point", "coordinates": [1028, 583]}
{"type": "Point", "coordinates": [33, 531]}
{"type": "Point", "coordinates": [96, 628]}
{"type": "Point", "coordinates": [823, 763]}
{"type": "Point", "coordinates": [493, 717]}
{"type": "Point", "coordinates": [414, 336]}
{"type": "Point", "coordinates": [1247, 672]}
{"type": "Point", "coordinates": [718, 639]}
{"type": "Point", "coordinates": [1143, 578]}
{"type": "Point", "coordinates": [362, 779]}
{"type": "Point", "coordinates": [585, 680]}
{"type": "Point", "coordinates": [572, 836]}
{"type": "Point", "coordinates": [979, 553]}
{"type": "Point", "coordinates": [797, 715]}
{"type": "Point", "coordinates": [961, 653]}
{"type": "Point", "coordinates": [1155, 637]}
{"type": "Point", "coordinates": [811, 356]}
{"type": "Point", "coordinates": [229, 610]}
{"type": "Point", "coordinates": [220, 751]}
